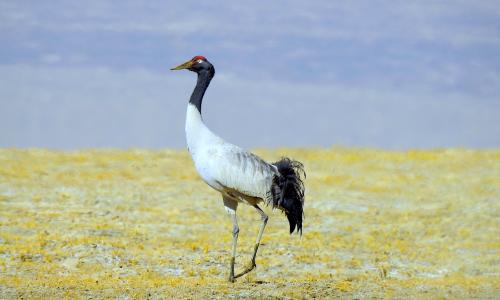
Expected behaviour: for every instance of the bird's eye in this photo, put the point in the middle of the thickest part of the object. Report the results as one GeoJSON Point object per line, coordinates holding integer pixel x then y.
{"type": "Point", "coordinates": [200, 61]}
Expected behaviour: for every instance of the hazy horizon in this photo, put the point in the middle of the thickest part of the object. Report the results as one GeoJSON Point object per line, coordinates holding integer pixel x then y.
{"type": "Point", "coordinates": [390, 75]}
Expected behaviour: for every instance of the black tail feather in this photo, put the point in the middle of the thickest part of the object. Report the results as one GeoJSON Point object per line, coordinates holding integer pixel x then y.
{"type": "Point", "coordinates": [288, 193]}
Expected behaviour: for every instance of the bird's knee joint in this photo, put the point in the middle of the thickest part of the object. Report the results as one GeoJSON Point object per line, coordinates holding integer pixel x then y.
{"type": "Point", "coordinates": [265, 218]}
{"type": "Point", "coordinates": [236, 230]}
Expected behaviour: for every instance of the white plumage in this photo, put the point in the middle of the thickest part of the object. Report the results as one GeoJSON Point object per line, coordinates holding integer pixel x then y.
{"type": "Point", "coordinates": [225, 167]}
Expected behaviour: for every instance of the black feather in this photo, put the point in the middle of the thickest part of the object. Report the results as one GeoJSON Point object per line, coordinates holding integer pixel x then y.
{"type": "Point", "coordinates": [288, 191]}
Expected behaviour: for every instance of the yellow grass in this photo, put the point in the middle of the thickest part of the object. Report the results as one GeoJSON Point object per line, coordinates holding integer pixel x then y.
{"type": "Point", "coordinates": [141, 224]}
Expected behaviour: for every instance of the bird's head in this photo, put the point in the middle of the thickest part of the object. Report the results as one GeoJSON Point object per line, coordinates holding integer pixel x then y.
{"type": "Point", "coordinates": [196, 64]}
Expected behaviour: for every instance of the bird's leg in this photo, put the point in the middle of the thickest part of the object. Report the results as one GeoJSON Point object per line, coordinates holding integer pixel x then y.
{"type": "Point", "coordinates": [236, 230]}
{"type": "Point", "coordinates": [231, 206]}
{"type": "Point", "coordinates": [264, 218]}
{"type": "Point", "coordinates": [252, 265]}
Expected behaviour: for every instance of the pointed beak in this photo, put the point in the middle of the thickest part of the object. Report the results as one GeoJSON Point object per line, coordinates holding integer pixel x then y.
{"type": "Point", "coordinates": [185, 65]}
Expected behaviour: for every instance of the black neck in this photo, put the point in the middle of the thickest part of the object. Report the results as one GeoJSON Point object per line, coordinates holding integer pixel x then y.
{"type": "Point", "coordinates": [204, 78]}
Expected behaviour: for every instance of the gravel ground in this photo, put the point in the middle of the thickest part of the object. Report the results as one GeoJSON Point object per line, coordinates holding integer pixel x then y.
{"type": "Point", "coordinates": [140, 224]}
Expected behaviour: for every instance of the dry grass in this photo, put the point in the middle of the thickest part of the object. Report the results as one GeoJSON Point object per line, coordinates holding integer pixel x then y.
{"type": "Point", "coordinates": [141, 224]}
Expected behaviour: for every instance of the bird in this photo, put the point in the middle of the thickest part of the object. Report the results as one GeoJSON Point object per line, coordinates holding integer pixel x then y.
{"type": "Point", "coordinates": [240, 176]}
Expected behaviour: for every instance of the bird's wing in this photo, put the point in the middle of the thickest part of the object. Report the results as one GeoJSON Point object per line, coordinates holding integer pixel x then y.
{"type": "Point", "coordinates": [244, 172]}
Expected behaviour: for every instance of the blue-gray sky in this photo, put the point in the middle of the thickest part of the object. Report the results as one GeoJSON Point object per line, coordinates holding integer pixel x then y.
{"type": "Point", "coordinates": [387, 74]}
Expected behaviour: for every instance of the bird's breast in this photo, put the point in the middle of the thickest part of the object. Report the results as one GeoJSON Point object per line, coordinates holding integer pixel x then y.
{"type": "Point", "coordinates": [204, 162]}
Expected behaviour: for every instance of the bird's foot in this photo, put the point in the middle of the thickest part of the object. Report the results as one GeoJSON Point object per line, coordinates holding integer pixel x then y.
{"type": "Point", "coordinates": [248, 269]}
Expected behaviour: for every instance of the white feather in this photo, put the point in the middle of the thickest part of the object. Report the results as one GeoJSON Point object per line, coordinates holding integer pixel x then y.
{"type": "Point", "coordinates": [224, 166]}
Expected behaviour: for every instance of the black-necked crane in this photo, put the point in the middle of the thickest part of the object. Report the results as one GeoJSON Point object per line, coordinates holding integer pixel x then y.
{"type": "Point", "coordinates": [240, 176]}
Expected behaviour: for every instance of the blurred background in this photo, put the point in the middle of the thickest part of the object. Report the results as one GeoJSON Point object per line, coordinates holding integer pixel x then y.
{"type": "Point", "coordinates": [385, 74]}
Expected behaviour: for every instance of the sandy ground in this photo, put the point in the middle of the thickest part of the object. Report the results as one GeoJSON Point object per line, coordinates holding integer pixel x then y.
{"type": "Point", "coordinates": [140, 224]}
